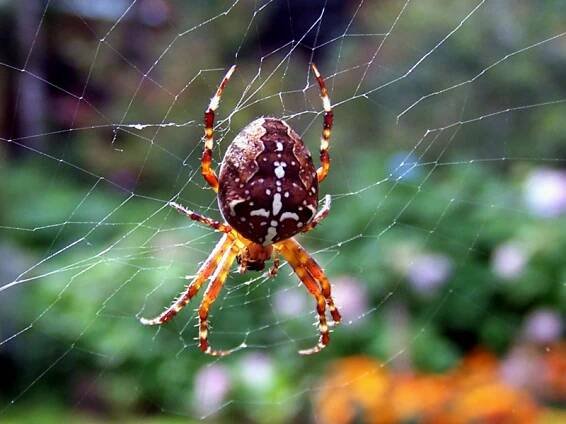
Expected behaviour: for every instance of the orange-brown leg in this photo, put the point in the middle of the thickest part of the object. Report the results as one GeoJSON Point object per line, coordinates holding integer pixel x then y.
{"type": "Point", "coordinates": [217, 225]}
{"type": "Point", "coordinates": [275, 266]}
{"type": "Point", "coordinates": [206, 161]}
{"type": "Point", "coordinates": [314, 269]}
{"type": "Point", "coordinates": [320, 215]}
{"type": "Point", "coordinates": [297, 257]}
{"type": "Point", "coordinates": [210, 296]}
{"type": "Point", "coordinates": [192, 289]}
{"type": "Point", "coordinates": [322, 171]}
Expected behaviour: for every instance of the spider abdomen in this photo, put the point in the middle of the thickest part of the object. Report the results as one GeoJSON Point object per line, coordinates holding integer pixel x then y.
{"type": "Point", "coordinates": [268, 187]}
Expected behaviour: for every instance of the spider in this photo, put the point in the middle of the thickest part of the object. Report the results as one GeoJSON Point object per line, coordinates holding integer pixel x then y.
{"type": "Point", "coordinates": [267, 192]}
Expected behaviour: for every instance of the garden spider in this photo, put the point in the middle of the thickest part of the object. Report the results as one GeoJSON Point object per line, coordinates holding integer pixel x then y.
{"type": "Point", "coordinates": [267, 193]}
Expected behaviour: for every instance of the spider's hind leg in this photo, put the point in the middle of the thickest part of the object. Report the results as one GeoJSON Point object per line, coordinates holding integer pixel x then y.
{"type": "Point", "coordinates": [322, 171]}
{"type": "Point", "coordinates": [206, 161]}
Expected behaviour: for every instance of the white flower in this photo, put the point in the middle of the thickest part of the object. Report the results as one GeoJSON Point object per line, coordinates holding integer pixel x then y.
{"type": "Point", "coordinates": [545, 192]}
{"type": "Point", "coordinates": [509, 260]}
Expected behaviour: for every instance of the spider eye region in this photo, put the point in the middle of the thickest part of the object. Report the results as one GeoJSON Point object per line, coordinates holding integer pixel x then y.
{"type": "Point", "coordinates": [268, 187]}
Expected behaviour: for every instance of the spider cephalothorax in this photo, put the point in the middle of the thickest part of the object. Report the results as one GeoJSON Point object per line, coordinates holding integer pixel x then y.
{"type": "Point", "coordinates": [254, 256]}
{"type": "Point", "coordinates": [267, 193]}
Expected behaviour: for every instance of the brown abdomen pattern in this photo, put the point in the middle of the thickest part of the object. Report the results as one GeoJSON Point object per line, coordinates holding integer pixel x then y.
{"type": "Point", "coordinates": [268, 189]}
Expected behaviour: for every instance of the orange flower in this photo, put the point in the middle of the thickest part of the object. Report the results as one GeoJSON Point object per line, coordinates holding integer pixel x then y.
{"type": "Point", "coordinates": [490, 402]}
{"type": "Point", "coordinates": [479, 366]}
{"type": "Point", "coordinates": [554, 375]}
{"type": "Point", "coordinates": [419, 397]}
{"type": "Point", "coordinates": [355, 386]}
{"type": "Point", "coordinates": [359, 389]}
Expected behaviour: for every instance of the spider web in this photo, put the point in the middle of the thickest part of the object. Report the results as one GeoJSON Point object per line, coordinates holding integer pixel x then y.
{"type": "Point", "coordinates": [90, 244]}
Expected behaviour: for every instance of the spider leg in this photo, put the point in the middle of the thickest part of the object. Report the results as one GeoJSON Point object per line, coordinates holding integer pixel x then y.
{"type": "Point", "coordinates": [210, 296]}
{"type": "Point", "coordinates": [217, 225]}
{"type": "Point", "coordinates": [242, 264]}
{"type": "Point", "coordinates": [205, 271]}
{"type": "Point", "coordinates": [321, 214]}
{"type": "Point", "coordinates": [206, 170]}
{"type": "Point", "coordinates": [302, 264]}
{"type": "Point", "coordinates": [318, 274]}
{"type": "Point", "coordinates": [322, 171]}
{"type": "Point", "coordinates": [275, 266]}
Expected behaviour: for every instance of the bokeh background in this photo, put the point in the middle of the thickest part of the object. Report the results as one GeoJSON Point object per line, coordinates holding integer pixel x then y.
{"type": "Point", "coordinates": [445, 245]}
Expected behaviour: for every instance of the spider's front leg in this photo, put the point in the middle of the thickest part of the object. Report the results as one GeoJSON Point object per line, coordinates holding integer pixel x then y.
{"type": "Point", "coordinates": [318, 274]}
{"type": "Point", "coordinates": [204, 272]}
{"type": "Point", "coordinates": [309, 273]}
{"type": "Point", "coordinates": [299, 255]}
{"type": "Point", "coordinates": [210, 296]}
{"type": "Point", "coordinates": [242, 264]}
{"type": "Point", "coordinates": [274, 266]}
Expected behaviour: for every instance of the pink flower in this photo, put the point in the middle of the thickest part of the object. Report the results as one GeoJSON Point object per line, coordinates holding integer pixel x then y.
{"type": "Point", "coordinates": [521, 368]}
{"type": "Point", "coordinates": [211, 383]}
{"type": "Point", "coordinates": [351, 298]}
{"type": "Point", "coordinates": [543, 326]}
{"type": "Point", "coordinates": [509, 260]}
{"type": "Point", "coordinates": [290, 302]}
{"type": "Point", "coordinates": [428, 272]}
{"type": "Point", "coordinates": [545, 192]}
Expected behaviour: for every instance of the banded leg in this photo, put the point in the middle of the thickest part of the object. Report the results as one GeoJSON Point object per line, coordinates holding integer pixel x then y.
{"type": "Point", "coordinates": [322, 171]}
{"type": "Point", "coordinates": [210, 296]}
{"type": "Point", "coordinates": [206, 161]}
{"type": "Point", "coordinates": [205, 271]}
{"type": "Point", "coordinates": [321, 214]}
{"type": "Point", "coordinates": [275, 266]}
{"type": "Point", "coordinates": [314, 269]}
{"type": "Point", "coordinates": [217, 225]}
{"type": "Point", "coordinates": [293, 256]}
